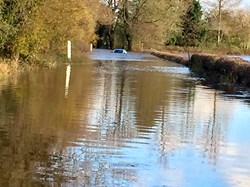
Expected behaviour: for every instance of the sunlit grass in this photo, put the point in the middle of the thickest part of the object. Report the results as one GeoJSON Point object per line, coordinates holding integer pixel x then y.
{"type": "Point", "coordinates": [11, 67]}
{"type": "Point", "coordinates": [8, 67]}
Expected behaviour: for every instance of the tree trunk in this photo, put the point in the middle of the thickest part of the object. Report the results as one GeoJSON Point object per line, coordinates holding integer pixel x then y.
{"type": "Point", "coordinates": [219, 22]}
{"type": "Point", "coordinates": [129, 41]}
{"type": "Point", "coordinates": [111, 38]}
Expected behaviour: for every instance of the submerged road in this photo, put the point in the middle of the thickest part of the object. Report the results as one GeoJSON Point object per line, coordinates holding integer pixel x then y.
{"type": "Point", "coordinates": [122, 120]}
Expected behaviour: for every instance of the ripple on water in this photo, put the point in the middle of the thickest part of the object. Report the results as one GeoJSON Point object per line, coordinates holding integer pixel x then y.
{"type": "Point", "coordinates": [123, 123]}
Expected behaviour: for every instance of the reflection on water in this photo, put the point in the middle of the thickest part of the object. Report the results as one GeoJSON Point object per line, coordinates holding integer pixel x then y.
{"type": "Point", "coordinates": [121, 123]}
{"type": "Point", "coordinates": [68, 70]}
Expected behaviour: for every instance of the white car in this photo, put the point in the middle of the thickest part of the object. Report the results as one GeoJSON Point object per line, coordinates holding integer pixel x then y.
{"type": "Point", "coordinates": [120, 51]}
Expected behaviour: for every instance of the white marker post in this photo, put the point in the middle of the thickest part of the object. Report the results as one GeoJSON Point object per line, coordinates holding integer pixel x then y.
{"type": "Point", "coordinates": [69, 50]}
{"type": "Point", "coordinates": [91, 47]}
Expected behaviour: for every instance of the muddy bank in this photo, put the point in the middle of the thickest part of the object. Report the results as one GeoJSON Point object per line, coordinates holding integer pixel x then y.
{"type": "Point", "coordinates": [217, 69]}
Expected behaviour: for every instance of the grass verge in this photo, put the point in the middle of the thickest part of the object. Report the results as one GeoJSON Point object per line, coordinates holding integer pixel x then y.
{"type": "Point", "coordinates": [215, 68]}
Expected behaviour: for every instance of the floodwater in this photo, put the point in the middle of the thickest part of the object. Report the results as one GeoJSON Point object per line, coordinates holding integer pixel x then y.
{"type": "Point", "coordinates": [247, 58]}
{"type": "Point", "coordinates": [122, 120]}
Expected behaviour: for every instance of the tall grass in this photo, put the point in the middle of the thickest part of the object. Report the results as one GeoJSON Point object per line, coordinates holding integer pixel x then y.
{"type": "Point", "coordinates": [11, 67]}
{"type": "Point", "coordinates": [8, 67]}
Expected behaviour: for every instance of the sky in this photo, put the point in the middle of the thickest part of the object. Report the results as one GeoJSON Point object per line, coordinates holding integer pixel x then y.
{"type": "Point", "coordinates": [246, 3]}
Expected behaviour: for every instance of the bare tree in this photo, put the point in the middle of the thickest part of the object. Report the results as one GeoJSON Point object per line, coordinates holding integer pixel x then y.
{"type": "Point", "coordinates": [142, 23]}
{"type": "Point", "coordinates": [150, 22]}
{"type": "Point", "coordinates": [219, 6]}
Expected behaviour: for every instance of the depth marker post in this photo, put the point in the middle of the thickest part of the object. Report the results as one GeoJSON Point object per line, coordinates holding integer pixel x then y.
{"type": "Point", "coordinates": [91, 47]}
{"type": "Point", "coordinates": [69, 50]}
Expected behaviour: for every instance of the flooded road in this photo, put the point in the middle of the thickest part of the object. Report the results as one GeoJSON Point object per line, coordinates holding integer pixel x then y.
{"type": "Point", "coordinates": [137, 121]}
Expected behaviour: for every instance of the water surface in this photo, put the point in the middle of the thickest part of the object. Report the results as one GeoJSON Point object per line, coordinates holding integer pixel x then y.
{"type": "Point", "coordinates": [122, 121]}
{"type": "Point", "coordinates": [247, 58]}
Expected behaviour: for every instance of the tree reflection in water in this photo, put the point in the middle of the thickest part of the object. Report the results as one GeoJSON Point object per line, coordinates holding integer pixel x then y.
{"type": "Point", "coordinates": [118, 120]}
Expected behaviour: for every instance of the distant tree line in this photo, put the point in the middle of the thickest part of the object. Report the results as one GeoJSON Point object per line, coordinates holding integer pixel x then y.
{"type": "Point", "coordinates": [141, 24]}
{"type": "Point", "coordinates": [148, 24]}
{"type": "Point", "coordinates": [31, 28]}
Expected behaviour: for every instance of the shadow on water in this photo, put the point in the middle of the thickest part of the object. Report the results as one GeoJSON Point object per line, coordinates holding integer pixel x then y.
{"type": "Point", "coordinates": [229, 90]}
{"type": "Point", "coordinates": [119, 123]}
